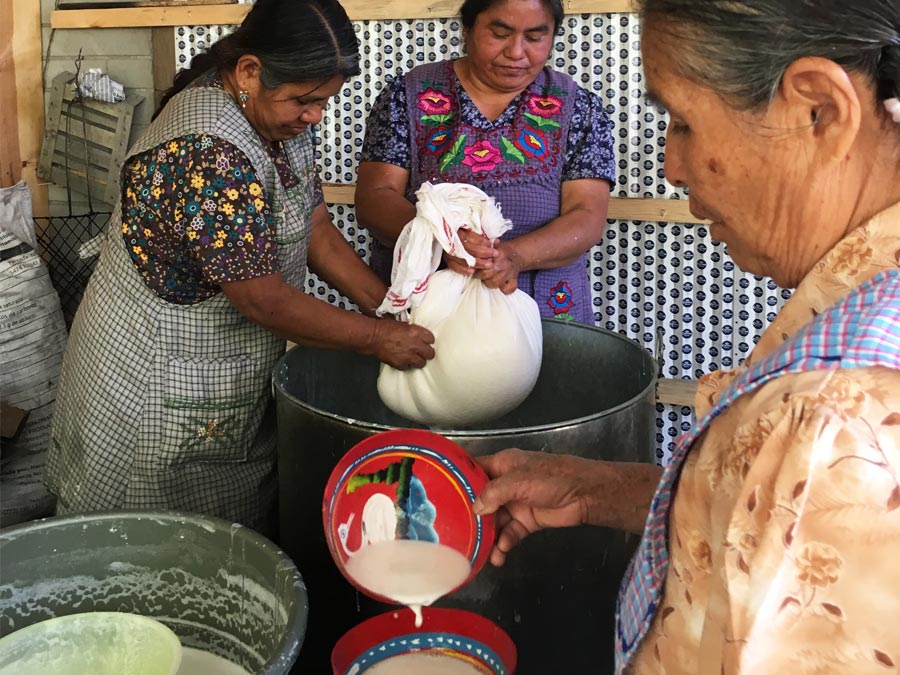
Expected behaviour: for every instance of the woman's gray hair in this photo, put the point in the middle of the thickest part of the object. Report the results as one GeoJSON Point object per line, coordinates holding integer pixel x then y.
{"type": "Point", "coordinates": [741, 48]}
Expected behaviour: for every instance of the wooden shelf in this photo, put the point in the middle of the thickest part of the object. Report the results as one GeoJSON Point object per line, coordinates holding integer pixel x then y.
{"type": "Point", "coordinates": [620, 208]}
{"type": "Point", "coordinates": [149, 17]}
{"type": "Point", "coordinates": [222, 15]}
{"type": "Point", "coordinates": [676, 392]}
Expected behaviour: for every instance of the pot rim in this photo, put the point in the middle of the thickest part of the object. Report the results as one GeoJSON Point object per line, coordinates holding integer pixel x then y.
{"type": "Point", "coordinates": [374, 427]}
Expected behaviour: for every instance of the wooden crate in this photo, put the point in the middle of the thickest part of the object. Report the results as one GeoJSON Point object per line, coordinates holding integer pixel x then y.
{"type": "Point", "coordinates": [91, 136]}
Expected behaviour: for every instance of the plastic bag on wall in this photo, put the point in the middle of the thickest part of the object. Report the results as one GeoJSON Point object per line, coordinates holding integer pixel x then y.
{"type": "Point", "coordinates": [32, 342]}
{"type": "Point", "coordinates": [488, 345]}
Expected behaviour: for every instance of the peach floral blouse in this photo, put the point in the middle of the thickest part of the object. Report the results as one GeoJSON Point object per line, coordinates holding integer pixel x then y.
{"type": "Point", "coordinates": [785, 529]}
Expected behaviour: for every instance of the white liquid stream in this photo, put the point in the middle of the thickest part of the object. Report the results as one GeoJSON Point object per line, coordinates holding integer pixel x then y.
{"type": "Point", "coordinates": [413, 573]}
{"type": "Point", "coordinates": [425, 664]}
{"type": "Point", "coordinates": [199, 662]}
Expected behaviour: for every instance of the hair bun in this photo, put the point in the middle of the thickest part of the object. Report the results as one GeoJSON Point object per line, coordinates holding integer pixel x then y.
{"type": "Point", "coordinates": [889, 71]}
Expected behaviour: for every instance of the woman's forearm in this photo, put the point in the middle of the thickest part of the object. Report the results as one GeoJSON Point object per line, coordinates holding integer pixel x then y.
{"type": "Point", "coordinates": [290, 313]}
{"type": "Point", "coordinates": [333, 259]}
{"type": "Point", "coordinates": [381, 204]}
{"type": "Point", "coordinates": [624, 499]}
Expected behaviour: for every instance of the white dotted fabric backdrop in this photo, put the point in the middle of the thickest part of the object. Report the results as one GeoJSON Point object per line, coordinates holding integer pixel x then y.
{"type": "Point", "coordinates": [668, 287]}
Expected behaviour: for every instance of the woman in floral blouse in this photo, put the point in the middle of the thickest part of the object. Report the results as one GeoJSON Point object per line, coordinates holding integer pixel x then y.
{"type": "Point", "coordinates": [165, 397]}
{"type": "Point", "coordinates": [773, 536]}
{"type": "Point", "coordinates": [500, 119]}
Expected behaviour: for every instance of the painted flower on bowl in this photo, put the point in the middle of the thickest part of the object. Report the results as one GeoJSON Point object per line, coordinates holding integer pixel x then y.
{"type": "Point", "coordinates": [560, 300]}
{"type": "Point", "coordinates": [433, 102]}
{"type": "Point", "coordinates": [439, 140]}
{"type": "Point", "coordinates": [546, 105]}
{"type": "Point", "coordinates": [483, 156]}
{"type": "Point", "coordinates": [532, 142]}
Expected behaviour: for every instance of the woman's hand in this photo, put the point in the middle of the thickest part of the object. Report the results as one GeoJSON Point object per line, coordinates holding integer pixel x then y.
{"type": "Point", "coordinates": [530, 491]}
{"type": "Point", "coordinates": [504, 270]}
{"type": "Point", "coordinates": [495, 264]}
{"type": "Point", "coordinates": [479, 247]}
{"type": "Point", "coordinates": [402, 345]}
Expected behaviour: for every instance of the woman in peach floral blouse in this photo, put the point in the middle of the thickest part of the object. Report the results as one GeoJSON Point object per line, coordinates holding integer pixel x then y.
{"type": "Point", "coordinates": [772, 543]}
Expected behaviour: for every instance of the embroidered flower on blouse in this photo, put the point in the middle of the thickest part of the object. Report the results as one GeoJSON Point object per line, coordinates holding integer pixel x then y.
{"type": "Point", "coordinates": [844, 394]}
{"type": "Point", "coordinates": [819, 564]}
{"type": "Point", "coordinates": [744, 448]}
{"type": "Point", "coordinates": [532, 142]}
{"type": "Point", "coordinates": [483, 156]}
{"type": "Point", "coordinates": [545, 105]}
{"type": "Point", "coordinates": [701, 552]}
{"type": "Point", "coordinates": [433, 102]}
{"type": "Point", "coordinates": [560, 300]}
{"type": "Point", "coordinates": [851, 257]}
{"type": "Point", "coordinates": [438, 140]}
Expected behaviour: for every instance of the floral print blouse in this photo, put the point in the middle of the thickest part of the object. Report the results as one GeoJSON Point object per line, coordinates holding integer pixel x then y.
{"type": "Point", "coordinates": [194, 215]}
{"type": "Point", "coordinates": [784, 534]}
{"type": "Point", "coordinates": [590, 151]}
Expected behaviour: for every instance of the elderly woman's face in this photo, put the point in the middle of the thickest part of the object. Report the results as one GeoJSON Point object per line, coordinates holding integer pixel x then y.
{"type": "Point", "coordinates": [288, 110]}
{"type": "Point", "coordinates": [510, 43]}
{"type": "Point", "coordinates": [758, 177]}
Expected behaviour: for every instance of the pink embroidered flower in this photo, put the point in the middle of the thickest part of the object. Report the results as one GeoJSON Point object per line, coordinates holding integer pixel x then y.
{"type": "Point", "coordinates": [483, 156]}
{"type": "Point", "coordinates": [545, 106]}
{"type": "Point", "coordinates": [433, 102]}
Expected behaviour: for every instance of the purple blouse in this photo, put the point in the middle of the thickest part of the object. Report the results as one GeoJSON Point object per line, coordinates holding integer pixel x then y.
{"type": "Point", "coordinates": [589, 146]}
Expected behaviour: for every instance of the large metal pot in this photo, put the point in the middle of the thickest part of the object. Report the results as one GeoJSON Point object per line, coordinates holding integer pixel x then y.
{"type": "Point", "coordinates": [595, 397]}
{"type": "Point", "coordinates": [220, 587]}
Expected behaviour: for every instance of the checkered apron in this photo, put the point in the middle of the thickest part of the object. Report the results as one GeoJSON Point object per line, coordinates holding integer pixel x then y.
{"type": "Point", "coordinates": [860, 331]}
{"type": "Point", "coordinates": [165, 406]}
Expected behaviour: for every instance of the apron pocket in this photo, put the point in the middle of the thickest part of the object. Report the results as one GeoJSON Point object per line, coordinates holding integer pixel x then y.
{"type": "Point", "coordinates": [207, 410]}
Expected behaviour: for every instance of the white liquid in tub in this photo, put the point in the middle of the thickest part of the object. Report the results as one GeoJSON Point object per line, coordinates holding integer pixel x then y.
{"type": "Point", "coordinates": [414, 573]}
{"type": "Point", "coordinates": [419, 663]}
{"type": "Point", "coordinates": [199, 662]}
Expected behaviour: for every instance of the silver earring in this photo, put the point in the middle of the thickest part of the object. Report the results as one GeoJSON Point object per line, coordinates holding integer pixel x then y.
{"type": "Point", "coordinates": [243, 96]}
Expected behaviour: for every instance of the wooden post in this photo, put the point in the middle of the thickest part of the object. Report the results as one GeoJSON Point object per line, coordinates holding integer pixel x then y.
{"type": "Point", "coordinates": [163, 46]}
{"type": "Point", "coordinates": [21, 97]}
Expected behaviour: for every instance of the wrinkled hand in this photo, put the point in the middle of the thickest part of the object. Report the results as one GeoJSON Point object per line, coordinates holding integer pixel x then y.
{"type": "Point", "coordinates": [479, 247]}
{"type": "Point", "coordinates": [530, 491]}
{"type": "Point", "coordinates": [496, 264]}
{"type": "Point", "coordinates": [402, 345]}
{"type": "Point", "coordinates": [503, 272]}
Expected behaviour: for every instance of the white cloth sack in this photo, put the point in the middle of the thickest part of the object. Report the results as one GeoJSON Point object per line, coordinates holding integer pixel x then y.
{"type": "Point", "coordinates": [32, 342]}
{"type": "Point", "coordinates": [488, 345]}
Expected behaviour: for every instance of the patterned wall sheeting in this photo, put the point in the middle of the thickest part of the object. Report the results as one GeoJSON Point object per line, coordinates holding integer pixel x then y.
{"type": "Point", "coordinates": [669, 287]}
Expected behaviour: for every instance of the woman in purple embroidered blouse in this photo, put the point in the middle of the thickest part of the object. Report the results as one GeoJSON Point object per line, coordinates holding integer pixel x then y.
{"type": "Point", "coordinates": [500, 119]}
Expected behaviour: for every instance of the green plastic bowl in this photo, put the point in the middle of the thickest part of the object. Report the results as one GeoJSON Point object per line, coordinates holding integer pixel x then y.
{"type": "Point", "coordinates": [92, 643]}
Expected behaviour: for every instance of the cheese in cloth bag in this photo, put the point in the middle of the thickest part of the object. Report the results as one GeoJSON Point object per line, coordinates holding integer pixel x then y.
{"type": "Point", "coordinates": [488, 345]}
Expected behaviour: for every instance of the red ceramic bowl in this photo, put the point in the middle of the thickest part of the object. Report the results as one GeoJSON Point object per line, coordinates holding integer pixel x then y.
{"type": "Point", "coordinates": [425, 475]}
{"type": "Point", "coordinates": [462, 634]}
